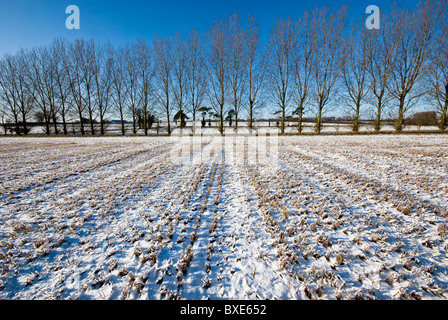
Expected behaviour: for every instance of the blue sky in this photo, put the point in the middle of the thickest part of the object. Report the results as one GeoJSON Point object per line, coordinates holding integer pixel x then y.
{"type": "Point", "coordinates": [28, 23]}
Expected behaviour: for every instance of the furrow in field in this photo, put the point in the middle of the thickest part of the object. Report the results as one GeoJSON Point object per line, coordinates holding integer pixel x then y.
{"type": "Point", "coordinates": [84, 237]}
{"type": "Point", "coordinates": [379, 243]}
{"type": "Point", "coordinates": [51, 174]}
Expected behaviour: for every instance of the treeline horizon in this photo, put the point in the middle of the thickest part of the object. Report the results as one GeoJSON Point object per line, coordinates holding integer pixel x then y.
{"type": "Point", "coordinates": [309, 65]}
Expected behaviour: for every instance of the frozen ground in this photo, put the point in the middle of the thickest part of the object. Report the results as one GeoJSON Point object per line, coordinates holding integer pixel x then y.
{"type": "Point", "coordinates": [340, 217]}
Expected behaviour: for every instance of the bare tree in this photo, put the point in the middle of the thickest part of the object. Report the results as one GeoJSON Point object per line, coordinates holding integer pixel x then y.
{"type": "Point", "coordinates": [330, 58]}
{"type": "Point", "coordinates": [131, 83]}
{"type": "Point", "coordinates": [24, 89]}
{"type": "Point", "coordinates": [255, 68]}
{"type": "Point", "coordinates": [236, 44]}
{"type": "Point", "coordinates": [62, 89]}
{"type": "Point", "coordinates": [40, 76]}
{"type": "Point", "coordinates": [51, 87]}
{"type": "Point", "coordinates": [438, 73]}
{"type": "Point", "coordinates": [282, 41]}
{"type": "Point", "coordinates": [3, 113]}
{"type": "Point", "coordinates": [145, 76]}
{"type": "Point", "coordinates": [102, 82]}
{"type": "Point", "coordinates": [417, 32]}
{"type": "Point", "coordinates": [385, 43]}
{"type": "Point", "coordinates": [118, 85]}
{"type": "Point", "coordinates": [73, 70]}
{"type": "Point", "coordinates": [196, 76]}
{"type": "Point", "coordinates": [179, 77]}
{"type": "Point", "coordinates": [43, 78]}
{"type": "Point", "coordinates": [8, 91]}
{"type": "Point", "coordinates": [163, 70]}
{"type": "Point", "coordinates": [304, 63]}
{"type": "Point", "coordinates": [216, 66]}
{"type": "Point", "coordinates": [355, 71]}
{"type": "Point", "coordinates": [87, 54]}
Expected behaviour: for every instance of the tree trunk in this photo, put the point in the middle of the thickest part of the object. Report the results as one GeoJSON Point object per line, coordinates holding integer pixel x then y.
{"type": "Point", "coordinates": [251, 116]}
{"type": "Point", "coordinates": [356, 121]}
{"type": "Point", "coordinates": [47, 123]}
{"type": "Point", "coordinates": [64, 123]}
{"type": "Point", "coordinates": [55, 124]}
{"type": "Point", "coordinates": [300, 124]}
{"type": "Point", "coordinates": [283, 121]}
{"type": "Point", "coordinates": [145, 119]}
{"type": "Point", "coordinates": [16, 120]}
{"type": "Point", "coordinates": [134, 122]}
{"type": "Point", "coordinates": [443, 118]}
{"type": "Point", "coordinates": [221, 122]}
{"type": "Point", "coordinates": [168, 128]}
{"type": "Point", "coordinates": [101, 124]}
{"type": "Point", "coordinates": [81, 122]}
{"type": "Point", "coordinates": [399, 124]}
{"type": "Point", "coordinates": [25, 128]}
{"type": "Point", "coordinates": [235, 107]}
{"type": "Point", "coordinates": [378, 117]}
{"type": "Point", "coordinates": [319, 121]}
{"type": "Point", "coordinates": [181, 126]}
{"type": "Point", "coordinates": [92, 125]}
{"type": "Point", "coordinates": [123, 131]}
{"type": "Point", "coordinates": [236, 120]}
{"type": "Point", "coordinates": [167, 106]}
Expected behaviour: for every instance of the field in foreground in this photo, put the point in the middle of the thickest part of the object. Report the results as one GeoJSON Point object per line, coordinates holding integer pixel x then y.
{"type": "Point", "coordinates": [340, 217]}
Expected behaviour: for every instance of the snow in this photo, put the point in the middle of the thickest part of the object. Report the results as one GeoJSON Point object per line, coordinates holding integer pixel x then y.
{"type": "Point", "coordinates": [290, 128]}
{"type": "Point", "coordinates": [316, 217]}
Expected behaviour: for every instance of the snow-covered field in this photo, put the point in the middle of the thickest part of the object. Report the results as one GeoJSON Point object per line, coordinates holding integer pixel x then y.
{"type": "Point", "coordinates": [313, 217]}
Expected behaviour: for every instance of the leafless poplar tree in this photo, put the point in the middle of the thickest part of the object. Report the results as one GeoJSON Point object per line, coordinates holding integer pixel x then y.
{"type": "Point", "coordinates": [216, 66]}
{"type": "Point", "coordinates": [417, 36]}
{"type": "Point", "coordinates": [7, 92]}
{"type": "Point", "coordinates": [438, 74]}
{"type": "Point", "coordinates": [24, 89]}
{"type": "Point", "coordinates": [179, 78]}
{"type": "Point", "coordinates": [49, 63]}
{"type": "Point", "coordinates": [73, 70]}
{"type": "Point", "coordinates": [255, 68]}
{"type": "Point", "coordinates": [118, 85]}
{"type": "Point", "coordinates": [102, 82]}
{"type": "Point", "coordinates": [39, 75]}
{"type": "Point", "coordinates": [62, 88]}
{"type": "Point", "coordinates": [384, 53]}
{"type": "Point", "coordinates": [282, 42]}
{"type": "Point", "coordinates": [355, 71]}
{"type": "Point", "coordinates": [87, 52]}
{"type": "Point", "coordinates": [145, 76]}
{"type": "Point", "coordinates": [196, 76]}
{"type": "Point", "coordinates": [304, 63]}
{"type": "Point", "coordinates": [131, 83]}
{"type": "Point", "coordinates": [8, 89]}
{"type": "Point", "coordinates": [163, 72]}
{"type": "Point", "coordinates": [330, 58]}
{"type": "Point", "coordinates": [236, 44]}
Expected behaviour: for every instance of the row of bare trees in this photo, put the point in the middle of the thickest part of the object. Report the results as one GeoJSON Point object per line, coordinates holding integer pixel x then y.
{"type": "Point", "coordinates": [319, 63]}
{"type": "Point", "coordinates": [81, 81]}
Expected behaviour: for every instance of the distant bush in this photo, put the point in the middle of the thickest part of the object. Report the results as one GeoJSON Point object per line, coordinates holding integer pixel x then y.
{"type": "Point", "coordinates": [426, 118]}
